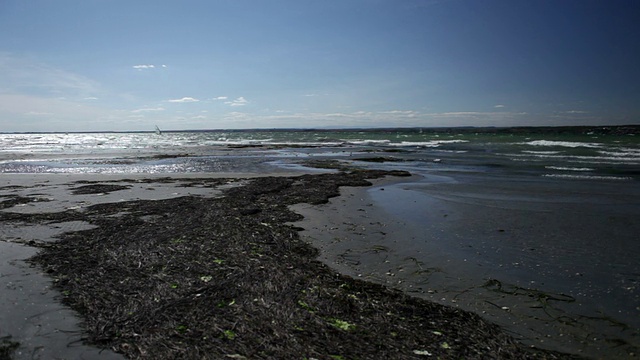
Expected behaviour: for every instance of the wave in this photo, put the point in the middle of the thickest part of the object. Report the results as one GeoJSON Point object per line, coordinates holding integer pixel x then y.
{"type": "Point", "coordinates": [431, 144]}
{"type": "Point", "coordinates": [587, 177]}
{"type": "Point", "coordinates": [566, 168]}
{"type": "Point", "coordinates": [624, 152]}
{"type": "Point", "coordinates": [570, 144]}
{"type": "Point", "coordinates": [367, 142]}
{"type": "Point", "coordinates": [540, 152]}
{"type": "Point", "coordinates": [576, 158]}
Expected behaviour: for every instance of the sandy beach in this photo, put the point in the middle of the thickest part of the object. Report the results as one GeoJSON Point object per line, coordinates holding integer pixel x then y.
{"type": "Point", "coordinates": [208, 267]}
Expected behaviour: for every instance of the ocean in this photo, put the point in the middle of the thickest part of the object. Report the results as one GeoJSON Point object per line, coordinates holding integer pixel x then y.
{"type": "Point", "coordinates": [539, 222]}
{"type": "Point", "coordinates": [608, 154]}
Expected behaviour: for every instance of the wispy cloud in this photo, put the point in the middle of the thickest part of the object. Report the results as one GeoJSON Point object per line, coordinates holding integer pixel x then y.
{"type": "Point", "coordinates": [148, 110]}
{"type": "Point", "coordinates": [400, 118]}
{"type": "Point", "coordinates": [37, 113]}
{"type": "Point", "coordinates": [474, 116]}
{"type": "Point", "coordinates": [220, 98]}
{"type": "Point", "coordinates": [407, 113]}
{"type": "Point", "coordinates": [23, 75]}
{"type": "Point", "coordinates": [184, 100]}
{"type": "Point", "coordinates": [575, 112]}
{"type": "Point", "coordinates": [241, 101]}
{"type": "Point", "coordinates": [148, 66]}
{"type": "Point", "coordinates": [499, 106]}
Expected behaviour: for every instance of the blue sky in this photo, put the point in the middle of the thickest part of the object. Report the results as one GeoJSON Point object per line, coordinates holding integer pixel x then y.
{"type": "Point", "coordinates": [128, 65]}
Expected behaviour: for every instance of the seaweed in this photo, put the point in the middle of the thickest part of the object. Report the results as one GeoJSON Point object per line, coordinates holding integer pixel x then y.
{"type": "Point", "coordinates": [195, 277]}
{"type": "Point", "coordinates": [7, 347]}
{"type": "Point", "coordinates": [97, 189]}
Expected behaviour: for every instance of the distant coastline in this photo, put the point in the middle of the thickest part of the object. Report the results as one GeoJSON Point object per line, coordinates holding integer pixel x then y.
{"type": "Point", "coordinates": [630, 129]}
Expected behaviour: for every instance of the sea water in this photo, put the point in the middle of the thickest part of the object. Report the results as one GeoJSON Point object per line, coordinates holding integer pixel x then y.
{"type": "Point", "coordinates": [596, 155]}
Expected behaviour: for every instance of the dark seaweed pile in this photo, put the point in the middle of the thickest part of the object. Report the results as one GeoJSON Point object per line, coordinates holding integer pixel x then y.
{"type": "Point", "coordinates": [227, 277]}
{"type": "Point", "coordinates": [7, 347]}
{"type": "Point", "coordinates": [97, 189]}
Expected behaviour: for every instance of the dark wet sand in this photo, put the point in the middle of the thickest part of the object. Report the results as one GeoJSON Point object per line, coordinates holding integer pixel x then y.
{"type": "Point", "coordinates": [528, 263]}
{"type": "Point", "coordinates": [269, 297]}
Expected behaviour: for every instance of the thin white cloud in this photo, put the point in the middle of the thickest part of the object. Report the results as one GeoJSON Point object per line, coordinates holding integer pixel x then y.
{"type": "Point", "coordinates": [575, 112]}
{"type": "Point", "coordinates": [220, 98]}
{"type": "Point", "coordinates": [37, 113]}
{"type": "Point", "coordinates": [462, 113]}
{"type": "Point", "coordinates": [141, 67]}
{"type": "Point", "coordinates": [24, 75]}
{"type": "Point", "coordinates": [408, 113]}
{"type": "Point", "coordinates": [499, 106]}
{"type": "Point", "coordinates": [280, 118]}
{"type": "Point", "coordinates": [183, 100]}
{"type": "Point", "coordinates": [148, 110]}
{"type": "Point", "coordinates": [91, 98]}
{"type": "Point", "coordinates": [241, 101]}
{"type": "Point", "coordinates": [389, 118]}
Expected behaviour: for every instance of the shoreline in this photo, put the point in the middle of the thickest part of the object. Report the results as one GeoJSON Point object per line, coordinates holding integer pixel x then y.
{"type": "Point", "coordinates": [424, 256]}
{"type": "Point", "coordinates": [321, 301]}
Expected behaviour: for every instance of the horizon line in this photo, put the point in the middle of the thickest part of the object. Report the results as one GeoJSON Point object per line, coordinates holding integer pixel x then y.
{"type": "Point", "coordinates": [335, 129]}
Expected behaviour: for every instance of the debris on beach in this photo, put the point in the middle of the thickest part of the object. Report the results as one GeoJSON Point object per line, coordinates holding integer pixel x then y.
{"type": "Point", "coordinates": [228, 276]}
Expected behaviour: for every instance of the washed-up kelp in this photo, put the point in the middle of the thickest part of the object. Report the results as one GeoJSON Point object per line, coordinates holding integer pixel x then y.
{"type": "Point", "coordinates": [228, 277]}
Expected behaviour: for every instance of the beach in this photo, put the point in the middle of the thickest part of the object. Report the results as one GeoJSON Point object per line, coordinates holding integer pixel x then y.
{"type": "Point", "coordinates": [205, 276]}
{"type": "Point", "coordinates": [525, 263]}
{"type": "Point", "coordinates": [464, 245]}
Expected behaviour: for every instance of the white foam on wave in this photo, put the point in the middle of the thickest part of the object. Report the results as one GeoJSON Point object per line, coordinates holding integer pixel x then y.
{"type": "Point", "coordinates": [540, 152]}
{"type": "Point", "coordinates": [269, 142]}
{"type": "Point", "coordinates": [432, 143]}
{"type": "Point", "coordinates": [575, 158]}
{"type": "Point", "coordinates": [566, 168]}
{"type": "Point", "coordinates": [570, 144]}
{"type": "Point", "coordinates": [307, 144]}
{"type": "Point", "coordinates": [587, 177]}
{"type": "Point", "coordinates": [368, 142]}
{"type": "Point", "coordinates": [624, 152]}
{"type": "Point", "coordinates": [454, 151]}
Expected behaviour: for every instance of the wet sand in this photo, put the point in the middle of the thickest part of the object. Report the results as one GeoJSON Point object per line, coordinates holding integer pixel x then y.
{"type": "Point", "coordinates": [322, 312]}
{"type": "Point", "coordinates": [522, 254]}
{"type": "Point", "coordinates": [31, 312]}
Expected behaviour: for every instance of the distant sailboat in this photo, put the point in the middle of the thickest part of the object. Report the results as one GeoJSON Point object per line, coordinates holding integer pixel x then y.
{"type": "Point", "coordinates": [158, 132]}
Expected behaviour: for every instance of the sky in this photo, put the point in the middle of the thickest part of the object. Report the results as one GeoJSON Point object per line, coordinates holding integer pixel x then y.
{"type": "Point", "coordinates": [122, 65]}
